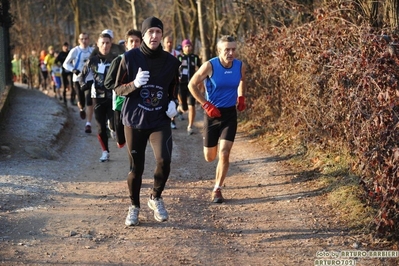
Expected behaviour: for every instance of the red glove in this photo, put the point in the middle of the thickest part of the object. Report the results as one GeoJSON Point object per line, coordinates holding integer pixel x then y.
{"type": "Point", "coordinates": [241, 103]}
{"type": "Point", "coordinates": [211, 110]}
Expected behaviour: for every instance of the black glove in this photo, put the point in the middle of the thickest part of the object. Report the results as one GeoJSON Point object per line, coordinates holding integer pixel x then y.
{"type": "Point", "coordinates": [76, 72]}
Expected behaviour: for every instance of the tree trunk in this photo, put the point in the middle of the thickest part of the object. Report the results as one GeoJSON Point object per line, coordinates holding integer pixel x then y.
{"type": "Point", "coordinates": [204, 42]}
{"type": "Point", "coordinates": [76, 18]}
{"type": "Point", "coordinates": [392, 7]}
{"type": "Point", "coordinates": [374, 18]}
{"type": "Point", "coordinates": [182, 24]}
{"type": "Point", "coordinates": [134, 13]}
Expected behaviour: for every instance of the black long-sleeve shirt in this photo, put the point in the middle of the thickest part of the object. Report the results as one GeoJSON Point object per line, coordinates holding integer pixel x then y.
{"type": "Point", "coordinates": [98, 65]}
{"type": "Point", "coordinates": [145, 107]}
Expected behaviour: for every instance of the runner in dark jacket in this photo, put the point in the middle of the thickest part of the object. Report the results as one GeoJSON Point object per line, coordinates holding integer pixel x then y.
{"type": "Point", "coordinates": [98, 66]}
{"type": "Point", "coordinates": [133, 40]}
{"type": "Point", "coordinates": [148, 77]}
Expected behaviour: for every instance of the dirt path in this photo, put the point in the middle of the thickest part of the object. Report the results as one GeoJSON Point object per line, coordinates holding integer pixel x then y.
{"type": "Point", "coordinates": [71, 210]}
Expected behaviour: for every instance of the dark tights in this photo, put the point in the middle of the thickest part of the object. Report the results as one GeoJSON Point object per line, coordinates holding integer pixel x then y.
{"type": "Point", "coordinates": [161, 143]}
{"type": "Point", "coordinates": [102, 113]}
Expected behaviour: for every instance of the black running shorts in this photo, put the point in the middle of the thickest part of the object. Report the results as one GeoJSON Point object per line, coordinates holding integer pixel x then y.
{"type": "Point", "coordinates": [224, 127]}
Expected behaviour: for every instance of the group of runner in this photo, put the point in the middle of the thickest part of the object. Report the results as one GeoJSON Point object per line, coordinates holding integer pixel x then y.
{"type": "Point", "coordinates": [135, 94]}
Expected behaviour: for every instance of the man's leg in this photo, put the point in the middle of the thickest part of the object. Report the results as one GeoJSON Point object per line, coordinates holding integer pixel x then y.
{"type": "Point", "coordinates": [81, 99]}
{"type": "Point", "coordinates": [89, 110]}
{"type": "Point", "coordinates": [191, 115]}
{"type": "Point", "coordinates": [223, 163]}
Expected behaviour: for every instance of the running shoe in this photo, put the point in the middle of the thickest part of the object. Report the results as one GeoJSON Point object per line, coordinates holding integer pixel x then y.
{"type": "Point", "coordinates": [132, 216]}
{"type": "Point", "coordinates": [217, 196]}
{"type": "Point", "coordinates": [190, 131]}
{"type": "Point", "coordinates": [180, 116]}
{"type": "Point", "coordinates": [104, 157]}
{"type": "Point", "coordinates": [173, 125]}
{"type": "Point", "coordinates": [88, 128]}
{"type": "Point", "coordinates": [120, 146]}
{"type": "Point", "coordinates": [158, 206]}
{"type": "Point", "coordinates": [82, 114]}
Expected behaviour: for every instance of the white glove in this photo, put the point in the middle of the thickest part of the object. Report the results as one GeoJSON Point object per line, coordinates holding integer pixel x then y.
{"type": "Point", "coordinates": [142, 78]}
{"type": "Point", "coordinates": [172, 111]}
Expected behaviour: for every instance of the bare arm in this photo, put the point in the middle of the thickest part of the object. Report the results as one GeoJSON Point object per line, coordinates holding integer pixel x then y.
{"type": "Point", "coordinates": [242, 87]}
{"type": "Point", "coordinates": [196, 83]}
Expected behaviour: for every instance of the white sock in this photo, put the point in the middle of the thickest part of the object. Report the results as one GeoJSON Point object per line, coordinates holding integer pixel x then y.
{"type": "Point", "coordinates": [216, 187]}
{"type": "Point", "coordinates": [88, 124]}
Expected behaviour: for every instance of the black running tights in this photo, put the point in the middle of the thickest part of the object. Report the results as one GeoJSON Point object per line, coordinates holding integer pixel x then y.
{"type": "Point", "coordinates": [161, 143]}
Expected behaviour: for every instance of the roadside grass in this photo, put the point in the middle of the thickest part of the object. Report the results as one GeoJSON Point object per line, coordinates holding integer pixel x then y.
{"type": "Point", "coordinates": [327, 168]}
{"type": "Point", "coordinates": [341, 186]}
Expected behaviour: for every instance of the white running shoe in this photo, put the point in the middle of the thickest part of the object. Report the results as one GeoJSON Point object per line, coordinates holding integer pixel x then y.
{"type": "Point", "coordinates": [104, 156]}
{"type": "Point", "coordinates": [132, 216]}
{"type": "Point", "coordinates": [158, 206]}
{"type": "Point", "coordinates": [173, 125]}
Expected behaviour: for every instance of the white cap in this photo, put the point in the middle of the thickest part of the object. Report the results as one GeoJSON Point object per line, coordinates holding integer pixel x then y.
{"type": "Point", "coordinates": [109, 32]}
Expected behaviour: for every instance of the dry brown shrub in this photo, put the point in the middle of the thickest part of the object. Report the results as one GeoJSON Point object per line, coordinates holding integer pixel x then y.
{"type": "Point", "coordinates": [333, 81]}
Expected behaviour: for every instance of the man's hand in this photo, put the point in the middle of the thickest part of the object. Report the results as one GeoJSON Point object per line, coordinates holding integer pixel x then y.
{"type": "Point", "coordinates": [241, 103]}
{"type": "Point", "coordinates": [211, 110]}
{"type": "Point", "coordinates": [172, 111]}
{"type": "Point", "coordinates": [142, 78]}
{"type": "Point", "coordinates": [76, 72]}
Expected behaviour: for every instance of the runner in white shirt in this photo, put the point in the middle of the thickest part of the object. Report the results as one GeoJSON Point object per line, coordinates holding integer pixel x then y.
{"type": "Point", "coordinates": [74, 62]}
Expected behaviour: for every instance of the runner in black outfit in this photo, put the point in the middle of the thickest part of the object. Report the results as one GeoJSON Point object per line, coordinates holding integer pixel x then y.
{"type": "Point", "coordinates": [133, 40]}
{"type": "Point", "coordinates": [189, 64]}
{"type": "Point", "coordinates": [66, 75]}
{"type": "Point", "coordinates": [148, 77]}
{"type": "Point", "coordinates": [98, 66]}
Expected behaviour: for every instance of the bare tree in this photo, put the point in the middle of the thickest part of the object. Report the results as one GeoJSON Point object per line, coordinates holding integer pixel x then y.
{"type": "Point", "coordinates": [205, 47]}
{"type": "Point", "coordinates": [76, 18]}
{"type": "Point", "coordinates": [392, 12]}
{"type": "Point", "coordinates": [134, 16]}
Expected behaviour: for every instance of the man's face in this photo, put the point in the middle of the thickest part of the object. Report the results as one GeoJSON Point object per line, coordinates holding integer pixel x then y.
{"type": "Point", "coordinates": [168, 44]}
{"type": "Point", "coordinates": [64, 48]}
{"type": "Point", "coordinates": [227, 51]}
{"type": "Point", "coordinates": [152, 37]}
{"type": "Point", "coordinates": [84, 40]}
{"type": "Point", "coordinates": [132, 42]}
{"type": "Point", "coordinates": [104, 45]}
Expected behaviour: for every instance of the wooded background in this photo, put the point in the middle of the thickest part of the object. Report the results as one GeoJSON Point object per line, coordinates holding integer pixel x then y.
{"type": "Point", "coordinates": [324, 73]}
{"type": "Point", "coordinates": [40, 23]}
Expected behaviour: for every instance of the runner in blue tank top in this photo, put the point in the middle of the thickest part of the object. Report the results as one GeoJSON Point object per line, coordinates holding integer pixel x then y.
{"type": "Point", "coordinates": [224, 79]}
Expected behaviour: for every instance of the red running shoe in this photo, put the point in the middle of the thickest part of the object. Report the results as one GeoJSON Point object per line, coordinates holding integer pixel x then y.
{"type": "Point", "coordinates": [120, 146]}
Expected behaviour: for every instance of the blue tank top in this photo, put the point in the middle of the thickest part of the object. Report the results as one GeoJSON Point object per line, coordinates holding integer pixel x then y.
{"type": "Point", "coordinates": [221, 87]}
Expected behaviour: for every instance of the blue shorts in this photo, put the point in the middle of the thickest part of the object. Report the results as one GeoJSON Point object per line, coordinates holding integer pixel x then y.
{"type": "Point", "coordinates": [57, 81]}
